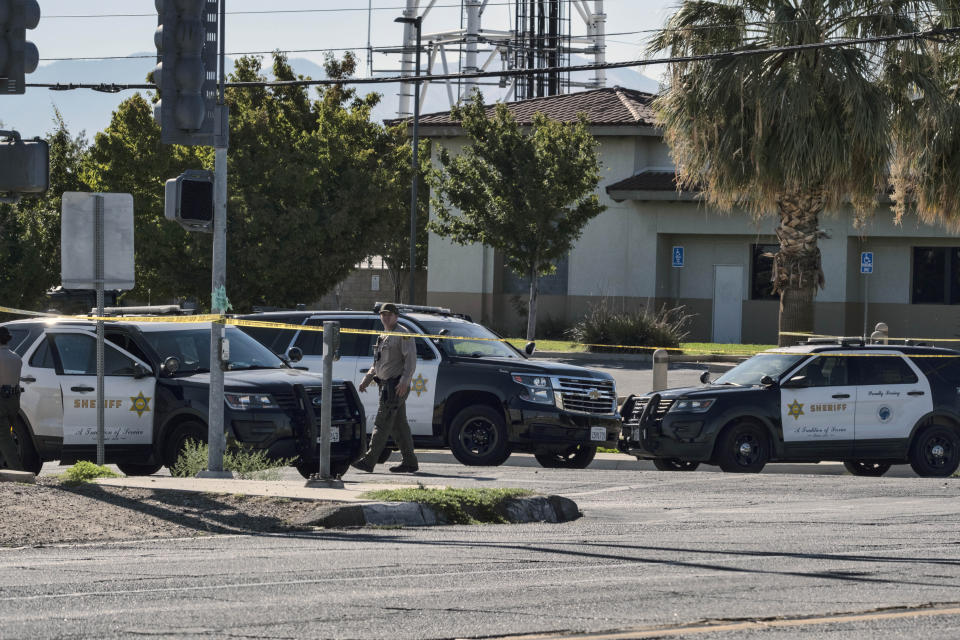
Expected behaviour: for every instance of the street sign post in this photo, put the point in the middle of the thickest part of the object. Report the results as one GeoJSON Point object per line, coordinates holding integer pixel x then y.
{"type": "Point", "coordinates": [866, 268]}
{"type": "Point", "coordinates": [96, 248]}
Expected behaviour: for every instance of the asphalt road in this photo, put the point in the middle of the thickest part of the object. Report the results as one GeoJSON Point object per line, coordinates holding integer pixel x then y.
{"type": "Point", "coordinates": [654, 550]}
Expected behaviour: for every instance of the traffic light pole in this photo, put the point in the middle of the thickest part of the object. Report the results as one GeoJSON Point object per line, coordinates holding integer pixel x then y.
{"type": "Point", "coordinates": [216, 434]}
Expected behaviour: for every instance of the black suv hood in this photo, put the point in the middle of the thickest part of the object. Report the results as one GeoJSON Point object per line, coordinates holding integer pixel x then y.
{"type": "Point", "coordinates": [257, 378]}
{"type": "Point", "coordinates": [710, 390]}
{"type": "Point", "coordinates": [545, 367]}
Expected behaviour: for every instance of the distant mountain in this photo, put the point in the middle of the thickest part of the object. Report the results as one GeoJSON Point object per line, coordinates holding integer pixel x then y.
{"type": "Point", "coordinates": [90, 111]}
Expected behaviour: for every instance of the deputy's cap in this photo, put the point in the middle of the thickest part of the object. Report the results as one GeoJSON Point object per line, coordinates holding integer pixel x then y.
{"type": "Point", "coordinates": [389, 307]}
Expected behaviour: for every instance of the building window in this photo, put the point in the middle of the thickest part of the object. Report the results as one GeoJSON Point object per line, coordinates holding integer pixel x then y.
{"type": "Point", "coordinates": [936, 275]}
{"type": "Point", "coordinates": [374, 283]}
{"type": "Point", "coordinates": [761, 272]}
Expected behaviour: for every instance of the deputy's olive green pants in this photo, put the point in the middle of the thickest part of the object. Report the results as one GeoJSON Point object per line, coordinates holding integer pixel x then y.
{"type": "Point", "coordinates": [391, 421]}
{"type": "Point", "coordinates": [9, 407]}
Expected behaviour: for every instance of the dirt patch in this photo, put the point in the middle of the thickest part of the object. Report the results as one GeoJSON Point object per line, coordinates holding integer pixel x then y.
{"type": "Point", "coordinates": [49, 512]}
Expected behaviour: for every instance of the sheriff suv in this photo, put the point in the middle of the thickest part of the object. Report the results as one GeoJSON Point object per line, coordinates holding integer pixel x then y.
{"type": "Point", "coordinates": [471, 392]}
{"type": "Point", "coordinates": [156, 393]}
{"type": "Point", "coordinates": [869, 406]}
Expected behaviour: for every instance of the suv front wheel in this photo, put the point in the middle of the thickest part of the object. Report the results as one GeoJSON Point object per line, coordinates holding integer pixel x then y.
{"type": "Point", "coordinates": [743, 448]}
{"type": "Point", "coordinates": [478, 437]}
{"type": "Point", "coordinates": [578, 456]}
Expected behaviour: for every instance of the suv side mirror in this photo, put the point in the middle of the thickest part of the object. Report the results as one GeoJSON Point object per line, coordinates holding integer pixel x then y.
{"type": "Point", "coordinates": [530, 348]}
{"type": "Point", "coordinates": [705, 377]}
{"type": "Point", "coordinates": [139, 371]}
{"type": "Point", "coordinates": [294, 354]}
{"type": "Point", "coordinates": [170, 365]}
{"type": "Point", "coordinates": [767, 381]}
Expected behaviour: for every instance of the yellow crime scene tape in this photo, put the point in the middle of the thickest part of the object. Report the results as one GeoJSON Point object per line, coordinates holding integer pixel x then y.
{"type": "Point", "coordinates": [222, 319]}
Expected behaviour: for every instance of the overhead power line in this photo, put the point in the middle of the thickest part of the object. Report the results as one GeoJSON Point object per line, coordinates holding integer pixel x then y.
{"type": "Point", "coordinates": [916, 35]}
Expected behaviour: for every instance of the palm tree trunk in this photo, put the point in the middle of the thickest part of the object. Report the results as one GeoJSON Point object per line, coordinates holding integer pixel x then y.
{"type": "Point", "coordinates": [532, 306]}
{"type": "Point", "coordinates": [797, 273]}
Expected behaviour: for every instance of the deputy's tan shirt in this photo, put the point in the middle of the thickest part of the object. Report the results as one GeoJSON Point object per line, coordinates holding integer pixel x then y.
{"type": "Point", "coordinates": [394, 356]}
{"type": "Point", "coordinates": [10, 365]}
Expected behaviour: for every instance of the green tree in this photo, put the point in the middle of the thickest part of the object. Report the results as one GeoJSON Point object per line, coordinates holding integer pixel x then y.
{"type": "Point", "coordinates": [395, 246]}
{"type": "Point", "coordinates": [791, 133]}
{"type": "Point", "coordinates": [304, 196]}
{"type": "Point", "coordinates": [528, 194]}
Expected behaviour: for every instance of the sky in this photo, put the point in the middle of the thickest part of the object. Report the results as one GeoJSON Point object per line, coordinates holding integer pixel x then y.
{"type": "Point", "coordinates": [89, 29]}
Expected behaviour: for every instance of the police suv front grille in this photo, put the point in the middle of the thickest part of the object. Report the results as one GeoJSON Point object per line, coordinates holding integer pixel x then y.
{"type": "Point", "coordinates": [640, 403]}
{"type": "Point", "coordinates": [341, 409]}
{"type": "Point", "coordinates": [588, 395]}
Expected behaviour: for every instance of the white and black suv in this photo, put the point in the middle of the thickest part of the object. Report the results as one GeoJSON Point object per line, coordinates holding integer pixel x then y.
{"type": "Point", "coordinates": [471, 392]}
{"type": "Point", "coordinates": [869, 406]}
{"type": "Point", "coordinates": [156, 393]}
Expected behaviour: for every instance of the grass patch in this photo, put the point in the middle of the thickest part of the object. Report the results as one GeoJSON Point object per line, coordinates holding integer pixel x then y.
{"type": "Point", "coordinates": [460, 506]}
{"type": "Point", "coordinates": [245, 463]}
{"type": "Point", "coordinates": [85, 471]}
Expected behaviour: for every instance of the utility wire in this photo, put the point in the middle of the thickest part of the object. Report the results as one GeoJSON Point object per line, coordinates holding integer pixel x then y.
{"type": "Point", "coordinates": [812, 46]}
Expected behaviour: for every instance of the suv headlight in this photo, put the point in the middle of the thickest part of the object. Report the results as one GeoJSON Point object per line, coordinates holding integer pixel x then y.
{"type": "Point", "coordinates": [692, 405]}
{"type": "Point", "coordinates": [246, 401]}
{"type": "Point", "coordinates": [536, 388]}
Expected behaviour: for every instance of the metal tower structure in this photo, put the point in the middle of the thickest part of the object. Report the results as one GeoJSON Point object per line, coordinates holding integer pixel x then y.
{"type": "Point", "coordinates": [537, 34]}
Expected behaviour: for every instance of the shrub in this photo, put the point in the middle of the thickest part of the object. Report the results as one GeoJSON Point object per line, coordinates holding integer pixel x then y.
{"type": "Point", "coordinates": [85, 471]}
{"type": "Point", "coordinates": [246, 463]}
{"type": "Point", "coordinates": [460, 506]}
{"type": "Point", "coordinates": [603, 326]}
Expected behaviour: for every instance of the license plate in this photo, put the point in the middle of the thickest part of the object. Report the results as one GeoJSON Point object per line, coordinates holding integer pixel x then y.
{"type": "Point", "coordinates": [334, 435]}
{"type": "Point", "coordinates": [636, 434]}
{"type": "Point", "coordinates": [598, 433]}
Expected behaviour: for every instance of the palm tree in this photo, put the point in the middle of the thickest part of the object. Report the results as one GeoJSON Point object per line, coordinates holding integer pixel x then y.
{"type": "Point", "coordinates": [794, 132]}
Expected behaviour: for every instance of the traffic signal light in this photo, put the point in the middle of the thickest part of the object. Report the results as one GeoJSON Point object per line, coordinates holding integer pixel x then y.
{"type": "Point", "coordinates": [186, 72]}
{"type": "Point", "coordinates": [24, 165]}
{"type": "Point", "coordinates": [188, 199]}
{"type": "Point", "coordinates": [17, 56]}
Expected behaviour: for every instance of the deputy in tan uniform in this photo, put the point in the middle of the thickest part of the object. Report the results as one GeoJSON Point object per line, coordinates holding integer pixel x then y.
{"type": "Point", "coordinates": [394, 360]}
{"type": "Point", "coordinates": [10, 366]}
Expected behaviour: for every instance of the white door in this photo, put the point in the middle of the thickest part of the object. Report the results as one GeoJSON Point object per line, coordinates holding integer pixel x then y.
{"type": "Point", "coordinates": [818, 407]}
{"type": "Point", "coordinates": [727, 302]}
{"type": "Point", "coordinates": [353, 347]}
{"type": "Point", "coordinates": [128, 400]}
{"type": "Point", "coordinates": [41, 401]}
{"type": "Point", "coordinates": [892, 396]}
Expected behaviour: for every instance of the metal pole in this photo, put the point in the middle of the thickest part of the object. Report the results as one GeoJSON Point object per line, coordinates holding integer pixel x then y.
{"type": "Point", "coordinates": [331, 331]}
{"type": "Point", "coordinates": [216, 434]}
{"type": "Point", "coordinates": [866, 292]}
{"type": "Point", "coordinates": [98, 256]}
{"type": "Point", "coordinates": [415, 142]}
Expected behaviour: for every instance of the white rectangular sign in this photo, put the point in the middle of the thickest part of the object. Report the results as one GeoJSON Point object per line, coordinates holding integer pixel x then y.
{"type": "Point", "coordinates": [77, 237]}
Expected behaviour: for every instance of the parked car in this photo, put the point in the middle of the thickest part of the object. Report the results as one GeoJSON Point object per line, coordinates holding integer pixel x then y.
{"type": "Point", "coordinates": [472, 393]}
{"type": "Point", "coordinates": [156, 392]}
{"type": "Point", "coordinates": [869, 406]}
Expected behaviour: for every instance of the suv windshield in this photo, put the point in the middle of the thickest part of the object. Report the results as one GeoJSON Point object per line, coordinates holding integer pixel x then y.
{"type": "Point", "coordinates": [476, 341]}
{"type": "Point", "coordinates": [192, 348]}
{"type": "Point", "coordinates": [752, 370]}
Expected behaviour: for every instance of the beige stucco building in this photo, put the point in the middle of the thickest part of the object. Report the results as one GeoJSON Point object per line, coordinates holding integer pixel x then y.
{"type": "Point", "coordinates": [626, 254]}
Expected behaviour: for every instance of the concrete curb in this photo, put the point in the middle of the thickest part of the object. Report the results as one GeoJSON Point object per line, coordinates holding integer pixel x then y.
{"type": "Point", "coordinates": [8, 475]}
{"type": "Point", "coordinates": [413, 514]}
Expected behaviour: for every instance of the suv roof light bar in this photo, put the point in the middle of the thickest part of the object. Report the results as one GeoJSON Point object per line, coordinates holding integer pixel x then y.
{"type": "Point", "coordinates": [416, 308]}
{"type": "Point", "coordinates": [845, 342]}
{"type": "Point", "coordinates": [153, 310]}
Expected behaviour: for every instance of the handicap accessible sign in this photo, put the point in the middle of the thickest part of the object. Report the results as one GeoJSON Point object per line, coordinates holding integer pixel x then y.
{"type": "Point", "coordinates": [678, 256]}
{"type": "Point", "coordinates": [866, 262]}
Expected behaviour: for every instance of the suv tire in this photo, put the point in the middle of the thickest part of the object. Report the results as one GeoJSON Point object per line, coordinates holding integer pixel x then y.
{"type": "Point", "coordinates": [478, 437]}
{"type": "Point", "coordinates": [743, 448]}
{"type": "Point", "coordinates": [578, 456]}
{"type": "Point", "coordinates": [190, 430]}
{"type": "Point", "coordinates": [866, 468]}
{"type": "Point", "coordinates": [674, 464]}
{"type": "Point", "coordinates": [132, 469]}
{"type": "Point", "coordinates": [935, 452]}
